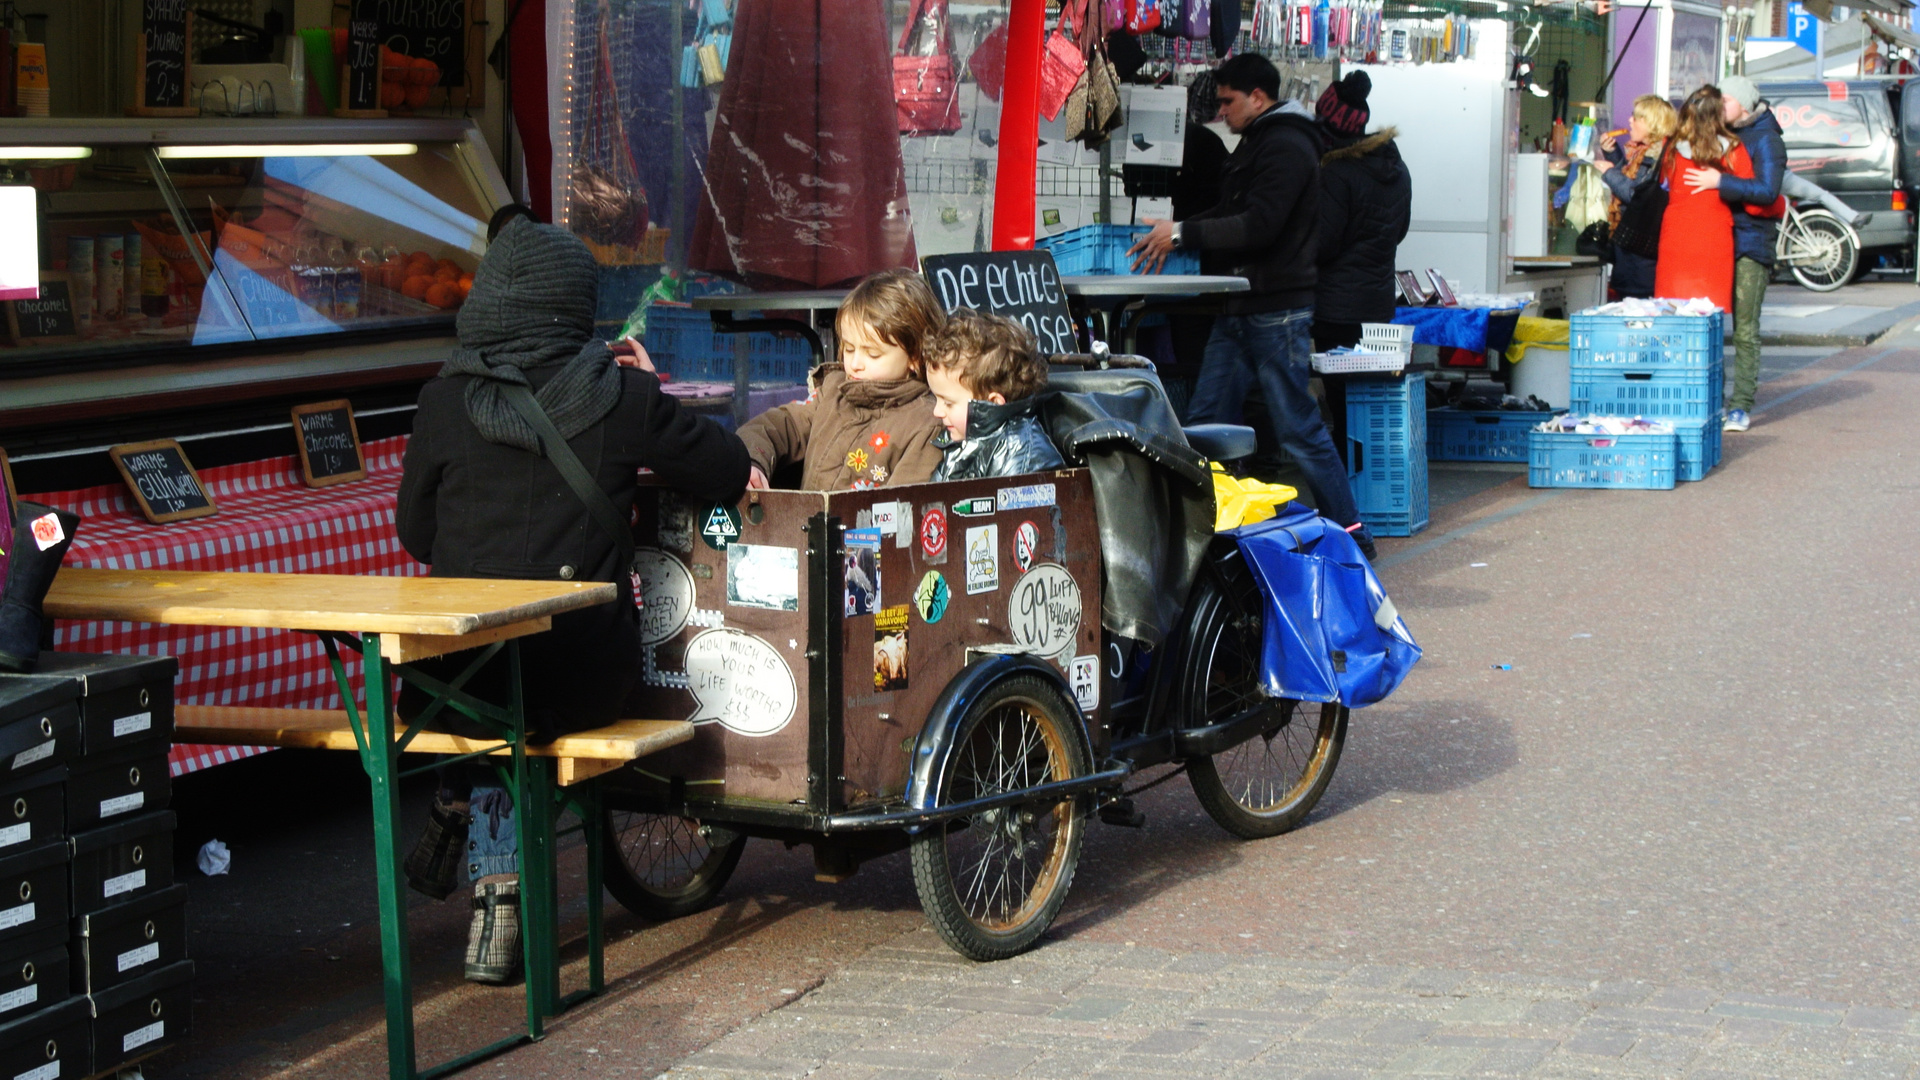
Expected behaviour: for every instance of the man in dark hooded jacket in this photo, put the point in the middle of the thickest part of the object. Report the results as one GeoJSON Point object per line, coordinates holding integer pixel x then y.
{"type": "Point", "coordinates": [1366, 204]}
{"type": "Point", "coordinates": [1755, 231]}
{"type": "Point", "coordinates": [1263, 230]}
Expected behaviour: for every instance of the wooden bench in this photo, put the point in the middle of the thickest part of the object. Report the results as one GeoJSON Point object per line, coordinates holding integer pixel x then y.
{"type": "Point", "coordinates": [582, 755]}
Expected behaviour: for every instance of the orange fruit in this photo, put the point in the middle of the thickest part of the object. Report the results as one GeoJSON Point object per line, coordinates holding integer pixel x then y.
{"type": "Point", "coordinates": [392, 95]}
{"type": "Point", "coordinates": [449, 264]}
{"type": "Point", "coordinates": [446, 275]}
{"type": "Point", "coordinates": [417, 286]}
{"type": "Point", "coordinates": [466, 284]}
{"type": "Point", "coordinates": [418, 257]}
{"type": "Point", "coordinates": [444, 295]}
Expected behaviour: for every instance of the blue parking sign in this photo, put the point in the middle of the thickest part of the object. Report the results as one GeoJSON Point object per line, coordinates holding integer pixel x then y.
{"type": "Point", "coordinates": [1803, 28]}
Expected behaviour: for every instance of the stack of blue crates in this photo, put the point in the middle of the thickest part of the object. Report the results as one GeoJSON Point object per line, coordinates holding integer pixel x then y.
{"type": "Point", "coordinates": [1387, 452]}
{"type": "Point", "coordinates": [683, 343]}
{"type": "Point", "coordinates": [1662, 367]}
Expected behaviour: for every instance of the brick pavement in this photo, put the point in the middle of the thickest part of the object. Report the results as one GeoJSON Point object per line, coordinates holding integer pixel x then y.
{"type": "Point", "coordinates": [1072, 1009]}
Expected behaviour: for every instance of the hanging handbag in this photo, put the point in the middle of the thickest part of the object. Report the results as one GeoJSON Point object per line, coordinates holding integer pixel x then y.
{"type": "Point", "coordinates": [989, 62]}
{"type": "Point", "coordinates": [1639, 228]}
{"type": "Point", "coordinates": [691, 76]}
{"type": "Point", "coordinates": [1103, 87]}
{"type": "Point", "coordinates": [1225, 27]}
{"type": "Point", "coordinates": [926, 92]}
{"type": "Point", "coordinates": [1143, 16]}
{"type": "Point", "coordinates": [1062, 66]}
{"type": "Point", "coordinates": [713, 69]}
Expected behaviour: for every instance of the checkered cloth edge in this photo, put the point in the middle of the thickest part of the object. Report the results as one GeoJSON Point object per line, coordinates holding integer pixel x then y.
{"type": "Point", "coordinates": [269, 521]}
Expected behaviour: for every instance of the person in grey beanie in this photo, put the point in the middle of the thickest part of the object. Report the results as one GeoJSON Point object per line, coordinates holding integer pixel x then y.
{"type": "Point", "coordinates": [480, 496]}
{"type": "Point", "coordinates": [1756, 229]}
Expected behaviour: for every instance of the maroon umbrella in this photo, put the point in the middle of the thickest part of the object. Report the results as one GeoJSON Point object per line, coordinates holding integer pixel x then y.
{"type": "Point", "coordinates": [804, 184]}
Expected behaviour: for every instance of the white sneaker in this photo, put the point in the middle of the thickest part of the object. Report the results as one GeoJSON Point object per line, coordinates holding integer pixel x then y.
{"type": "Point", "coordinates": [1737, 420]}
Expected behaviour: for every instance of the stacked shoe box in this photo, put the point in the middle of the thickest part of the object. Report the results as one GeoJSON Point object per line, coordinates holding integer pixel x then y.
{"type": "Point", "coordinates": [1660, 367]}
{"type": "Point", "coordinates": [124, 919]}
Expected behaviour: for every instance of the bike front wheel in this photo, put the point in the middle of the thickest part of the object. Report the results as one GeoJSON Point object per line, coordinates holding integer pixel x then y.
{"type": "Point", "coordinates": [1823, 252]}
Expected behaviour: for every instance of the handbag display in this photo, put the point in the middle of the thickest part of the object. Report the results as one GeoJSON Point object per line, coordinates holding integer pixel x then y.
{"type": "Point", "coordinates": [989, 62]}
{"type": "Point", "coordinates": [1143, 16]}
{"type": "Point", "coordinates": [1639, 228]}
{"type": "Point", "coordinates": [1062, 65]}
{"type": "Point", "coordinates": [704, 61]}
{"type": "Point", "coordinates": [926, 87]}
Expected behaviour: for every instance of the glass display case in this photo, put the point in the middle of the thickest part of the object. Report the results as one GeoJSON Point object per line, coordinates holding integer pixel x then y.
{"type": "Point", "coordinates": [216, 241]}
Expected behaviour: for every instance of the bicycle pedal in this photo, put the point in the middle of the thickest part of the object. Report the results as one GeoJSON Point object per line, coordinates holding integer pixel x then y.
{"type": "Point", "coordinates": [1122, 812]}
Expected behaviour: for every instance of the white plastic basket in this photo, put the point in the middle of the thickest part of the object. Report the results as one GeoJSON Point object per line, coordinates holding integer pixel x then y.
{"type": "Point", "coordinates": [1385, 347]}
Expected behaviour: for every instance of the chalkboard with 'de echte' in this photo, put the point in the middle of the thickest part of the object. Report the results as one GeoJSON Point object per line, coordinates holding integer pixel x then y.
{"type": "Point", "coordinates": [1022, 285]}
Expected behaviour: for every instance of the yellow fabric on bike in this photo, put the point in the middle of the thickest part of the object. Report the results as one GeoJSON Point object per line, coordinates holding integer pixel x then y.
{"type": "Point", "coordinates": [1551, 333]}
{"type": "Point", "coordinates": [1242, 500]}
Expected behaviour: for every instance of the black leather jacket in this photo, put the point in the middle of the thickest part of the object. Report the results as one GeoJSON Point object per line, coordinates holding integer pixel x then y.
{"type": "Point", "coordinates": [1002, 440]}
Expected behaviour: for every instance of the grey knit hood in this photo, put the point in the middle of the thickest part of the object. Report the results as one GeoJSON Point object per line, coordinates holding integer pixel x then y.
{"type": "Point", "coordinates": [533, 301]}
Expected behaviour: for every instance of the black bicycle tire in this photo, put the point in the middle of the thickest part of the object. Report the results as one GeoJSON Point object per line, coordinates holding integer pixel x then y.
{"type": "Point", "coordinates": [656, 904]}
{"type": "Point", "coordinates": [933, 874]}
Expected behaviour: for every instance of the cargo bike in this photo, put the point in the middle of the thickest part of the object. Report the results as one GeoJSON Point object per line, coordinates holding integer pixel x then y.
{"type": "Point", "coordinates": [926, 668]}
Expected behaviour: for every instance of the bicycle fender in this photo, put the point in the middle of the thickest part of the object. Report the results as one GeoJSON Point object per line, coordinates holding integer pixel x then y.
{"type": "Point", "coordinates": [939, 736]}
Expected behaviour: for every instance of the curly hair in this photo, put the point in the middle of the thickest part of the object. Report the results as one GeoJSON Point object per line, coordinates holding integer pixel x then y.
{"type": "Point", "coordinates": [988, 354]}
{"type": "Point", "coordinates": [899, 306]}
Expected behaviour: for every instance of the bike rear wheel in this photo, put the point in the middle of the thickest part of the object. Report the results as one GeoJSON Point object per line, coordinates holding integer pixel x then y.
{"type": "Point", "coordinates": [662, 867]}
{"type": "Point", "coordinates": [1823, 253]}
{"type": "Point", "coordinates": [1268, 784]}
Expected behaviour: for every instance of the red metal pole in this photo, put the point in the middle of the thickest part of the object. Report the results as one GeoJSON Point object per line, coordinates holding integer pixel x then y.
{"type": "Point", "coordinates": [1013, 186]}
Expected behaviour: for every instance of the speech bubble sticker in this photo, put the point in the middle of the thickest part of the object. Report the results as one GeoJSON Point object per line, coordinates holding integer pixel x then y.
{"type": "Point", "coordinates": [665, 591]}
{"type": "Point", "coordinates": [740, 682]}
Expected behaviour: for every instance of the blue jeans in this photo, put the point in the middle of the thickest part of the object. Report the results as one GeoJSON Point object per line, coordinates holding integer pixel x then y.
{"type": "Point", "coordinates": [493, 839]}
{"type": "Point", "coordinates": [1276, 348]}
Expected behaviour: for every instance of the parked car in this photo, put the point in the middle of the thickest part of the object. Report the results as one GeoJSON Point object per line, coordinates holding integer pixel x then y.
{"type": "Point", "coordinates": [1859, 139]}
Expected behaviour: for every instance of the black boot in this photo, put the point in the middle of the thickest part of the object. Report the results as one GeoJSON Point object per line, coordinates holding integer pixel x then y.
{"type": "Point", "coordinates": [41, 536]}
{"type": "Point", "coordinates": [436, 857]}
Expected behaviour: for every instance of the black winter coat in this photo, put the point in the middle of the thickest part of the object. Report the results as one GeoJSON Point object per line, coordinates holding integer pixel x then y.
{"type": "Point", "coordinates": [1754, 236]}
{"type": "Point", "coordinates": [1366, 205]}
{"type": "Point", "coordinates": [1262, 228]}
{"type": "Point", "coordinates": [472, 508]}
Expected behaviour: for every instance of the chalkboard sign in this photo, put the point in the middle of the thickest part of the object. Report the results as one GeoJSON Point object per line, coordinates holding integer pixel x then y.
{"type": "Point", "coordinates": [329, 444]}
{"type": "Point", "coordinates": [433, 30]}
{"type": "Point", "coordinates": [164, 64]}
{"type": "Point", "coordinates": [360, 68]}
{"type": "Point", "coordinates": [1022, 285]}
{"type": "Point", "coordinates": [162, 481]}
{"type": "Point", "coordinates": [48, 320]}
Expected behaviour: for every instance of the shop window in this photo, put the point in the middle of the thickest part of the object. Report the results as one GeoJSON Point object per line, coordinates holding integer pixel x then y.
{"type": "Point", "coordinates": [790, 169]}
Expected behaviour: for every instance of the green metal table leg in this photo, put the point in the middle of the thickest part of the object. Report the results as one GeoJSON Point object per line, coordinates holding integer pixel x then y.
{"type": "Point", "coordinates": [588, 806]}
{"type": "Point", "coordinates": [378, 758]}
{"type": "Point", "coordinates": [539, 917]}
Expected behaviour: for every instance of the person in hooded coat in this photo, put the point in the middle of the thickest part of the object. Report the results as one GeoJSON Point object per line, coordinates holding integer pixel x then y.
{"type": "Point", "coordinates": [479, 498]}
{"type": "Point", "coordinates": [1366, 204]}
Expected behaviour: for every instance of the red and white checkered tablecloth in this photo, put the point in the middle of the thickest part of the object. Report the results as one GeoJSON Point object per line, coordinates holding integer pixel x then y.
{"type": "Point", "coordinates": [268, 522]}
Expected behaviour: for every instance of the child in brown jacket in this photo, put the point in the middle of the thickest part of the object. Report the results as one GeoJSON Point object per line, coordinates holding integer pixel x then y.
{"type": "Point", "coordinates": [869, 421]}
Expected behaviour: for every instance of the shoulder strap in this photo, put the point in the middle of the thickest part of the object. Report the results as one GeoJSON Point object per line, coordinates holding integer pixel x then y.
{"type": "Point", "coordinates": [599, 506]}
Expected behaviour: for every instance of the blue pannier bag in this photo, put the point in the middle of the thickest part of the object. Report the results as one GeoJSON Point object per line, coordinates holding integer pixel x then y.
{"type": "Point", "coordinates": [1330, 632]}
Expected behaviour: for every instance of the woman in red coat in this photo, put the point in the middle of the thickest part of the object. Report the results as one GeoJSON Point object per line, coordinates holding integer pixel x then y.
{"type": "Point", "coordinates": [1696, 235]}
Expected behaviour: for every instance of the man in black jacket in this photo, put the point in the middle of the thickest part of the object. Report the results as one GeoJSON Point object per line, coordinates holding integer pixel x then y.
{"type": "Point", "coordinates": [1366, 205]}
{"type": "Point", "coordinates": [1263, 230]}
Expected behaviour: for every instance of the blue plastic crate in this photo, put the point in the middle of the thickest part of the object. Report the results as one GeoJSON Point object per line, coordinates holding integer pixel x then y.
{"type": "Point", "coordinates": [1634, 462]}
{"type": "Point", "coordinates": [683, 343]}
{"type": "Point", "coordinates": [1645, 343]}
{"type": "Point", "coordinates": [1655, 394]}
{"type": "Point", "coordinates": [1480, 435]}
{"type": "Point", "coordinates": [1102, 249]}
{"type": "Point", "coordinates": [1698, 447]}
{"type": "Point", "coordinates": [1387, 452]}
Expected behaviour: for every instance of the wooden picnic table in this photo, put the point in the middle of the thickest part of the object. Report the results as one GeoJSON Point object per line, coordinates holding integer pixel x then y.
{"type": "Point", "coordinates": [392, 621]}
